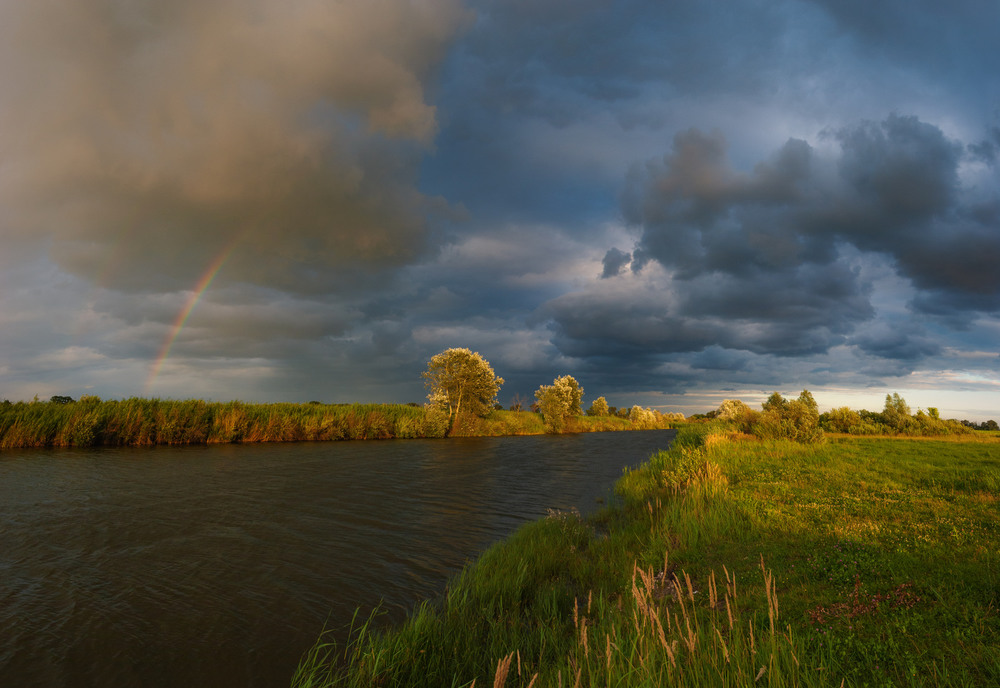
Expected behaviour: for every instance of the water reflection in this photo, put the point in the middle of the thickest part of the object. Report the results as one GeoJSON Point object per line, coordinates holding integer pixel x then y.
{"type": "Point", "coordinates": [209, 566]}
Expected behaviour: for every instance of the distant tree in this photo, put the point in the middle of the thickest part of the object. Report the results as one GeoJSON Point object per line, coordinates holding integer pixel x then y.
{"type": "Point", "coordinates": [989, 425]}
{"type": "Point", "coordinates": [57, 399]}
{"type": "Point", "coordinates": [553, 405]}
{"type": "Point", "coordinates": [599, 407]}
{"type": "Point", "coordinates": [841, 420]}
{"type": "Point", "coordinates": [896, 413]}
{"type": "Point", "coordinates": [517, 403]}
{"type": "Point", "coordinates": [797, 419]}
{"type": "Point", "coordinates": [559, 400]}
{"type": "Point", "coordinates": [460, 380]}
{"type": "Point", "coordinates": [732, 409]}
{"type": "Point", "coordinates": [775, 402]}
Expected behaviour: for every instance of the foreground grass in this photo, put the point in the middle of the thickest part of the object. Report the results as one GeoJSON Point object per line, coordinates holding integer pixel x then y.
{"type": "Point", "coordinates": [729, 561]}
{"type": "Point", "coordinates": [132, 422]}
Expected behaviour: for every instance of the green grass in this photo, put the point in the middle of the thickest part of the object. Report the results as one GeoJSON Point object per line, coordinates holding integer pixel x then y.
{"type": "Point", "coordinates": [727, 562]}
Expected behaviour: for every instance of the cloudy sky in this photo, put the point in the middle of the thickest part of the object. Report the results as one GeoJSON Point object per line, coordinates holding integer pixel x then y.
{"type": "Point", "coordinates": [674, 201]}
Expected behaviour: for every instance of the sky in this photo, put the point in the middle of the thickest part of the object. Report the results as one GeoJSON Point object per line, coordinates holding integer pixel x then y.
{"type": "Point", "coordinates": [676, 202]}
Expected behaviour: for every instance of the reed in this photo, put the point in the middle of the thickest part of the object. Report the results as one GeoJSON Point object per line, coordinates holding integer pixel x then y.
{"type": "Point", "coordinates": [135, 422]}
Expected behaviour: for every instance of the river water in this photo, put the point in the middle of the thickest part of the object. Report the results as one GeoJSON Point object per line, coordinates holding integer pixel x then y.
{"type": "Point", "coordinates": [220, 565]}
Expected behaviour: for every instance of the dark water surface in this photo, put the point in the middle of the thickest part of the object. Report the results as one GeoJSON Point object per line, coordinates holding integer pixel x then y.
{"type": "Point", "coordinates": [220, 565]}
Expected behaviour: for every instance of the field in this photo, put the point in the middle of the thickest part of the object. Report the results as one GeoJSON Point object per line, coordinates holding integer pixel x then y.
{"type": "Point", "coordinates": [727, 561]}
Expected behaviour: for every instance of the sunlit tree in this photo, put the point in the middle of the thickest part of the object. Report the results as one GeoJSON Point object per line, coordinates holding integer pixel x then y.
{"type": "Point", "coordinates": [461, 381]}
{"type": "Point", "coordinates": [599, 407]}
{"type": "Point", "coordinates": [563, 398]}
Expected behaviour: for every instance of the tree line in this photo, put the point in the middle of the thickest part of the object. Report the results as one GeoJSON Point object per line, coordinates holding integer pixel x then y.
{"type": "Point", "coordinates": [462, 381]}
{"type": "Point", "coordinates": [800, 420]}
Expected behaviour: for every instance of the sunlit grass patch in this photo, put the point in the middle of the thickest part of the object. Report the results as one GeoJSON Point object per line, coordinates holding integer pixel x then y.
{"type": "Point", "coordinates": [880, 568]}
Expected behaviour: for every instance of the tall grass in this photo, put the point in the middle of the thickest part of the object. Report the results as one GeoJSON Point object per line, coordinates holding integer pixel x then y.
{"type": "Point", "coordinates": [155, 421]}
{"type": "Point", "coordinates": [92, 422]}
{"type": "Point", "coordinates": [728, 561]}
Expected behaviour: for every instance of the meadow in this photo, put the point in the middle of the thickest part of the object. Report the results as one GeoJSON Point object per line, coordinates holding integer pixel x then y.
{"type": "Point", "coordinates": [135, 422]}
{"type": "Point", "coordinates": [726, 561]}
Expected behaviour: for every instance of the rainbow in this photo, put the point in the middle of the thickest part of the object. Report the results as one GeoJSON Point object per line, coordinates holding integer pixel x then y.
{"type": "Point", "coordinates": [204, 282]}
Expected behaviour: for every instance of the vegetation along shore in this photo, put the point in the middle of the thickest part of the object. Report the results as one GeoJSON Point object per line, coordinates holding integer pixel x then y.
{"type": "Point", "coordinates": [733, 559]}
{"type": "Point", "coordinates": [462, 401]}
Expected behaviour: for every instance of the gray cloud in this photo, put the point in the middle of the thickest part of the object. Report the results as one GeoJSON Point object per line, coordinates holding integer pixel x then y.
{"type": "Point", "coordinates": [144, 140]}
{"type": "Point", "coordinates": [894, 188]}
{"type": "Point", "coordinates": [615, 260]}
{"type": "Point", "coordinates": [380, 180]}
{"type": "Point", "coordinates": [770, 262]}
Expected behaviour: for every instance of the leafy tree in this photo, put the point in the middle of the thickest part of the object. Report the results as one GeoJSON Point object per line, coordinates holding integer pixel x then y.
{"type": "Point", "coordinates": [460, 380]}
{"type": "Point", "coordinates": [57, 399]}
{"type": "Point", "coordinates": [732, 409]}
{"type": "Point", "coordinates": [896, 413]}
{"type": "Point", "coordinates": [562, 398]}
{"type": "Point", "coordinates": [797, 419]}
{"type": "Point", "coordinates": [553, 405]}
{"type": "Point", "coordinates": [599, 407]}
{"type": "Point", "coordinates": [776, 403]}
{"type": "Point", "coordinates": [841, 419]}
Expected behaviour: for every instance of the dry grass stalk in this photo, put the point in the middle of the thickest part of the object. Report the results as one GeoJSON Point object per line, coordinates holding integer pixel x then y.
{"type": "Point", "coordinates": [671, 654]}
{"type": "Point", "coordinates": [770, 593]}
{"type": "Point", "coordinates": [503, 667]}
{"type": "Point", "coordinates": [725, 650]}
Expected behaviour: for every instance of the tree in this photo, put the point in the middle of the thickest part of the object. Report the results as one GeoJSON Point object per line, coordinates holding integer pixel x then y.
{"type": "Point", "coordinates": [599, 407]}
{"type": "Point", "coordinates": [896, 412]}
{"type": "Point", "coordinates": [732, 409]}
{"type": "Point", "coordinates": [553, 405]}
{"type": "Point", "coordinates": [797, 419]}
{"type": "Point", "coordinates": [562, 398]}
{"type": "Point", "coordinates": [776, 403]}
{"type": "Point", "coordinates": [460, 380]}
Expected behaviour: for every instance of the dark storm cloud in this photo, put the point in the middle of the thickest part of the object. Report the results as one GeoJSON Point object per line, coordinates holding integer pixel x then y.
{"type": "Point", "coordinates": [384, 179]}
{"type": "Point", "coordinates": [755, 261]}
{"type": "Point", "coordinates": [897, 341]}
{"type": "Point", "coordinates": [143, 140]}
{"type": "Point", "coordinates": [615, 260]}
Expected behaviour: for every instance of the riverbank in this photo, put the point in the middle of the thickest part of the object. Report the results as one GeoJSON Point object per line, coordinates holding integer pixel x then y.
{"type": "Point", "coordinates": [729, 561]}
{"type": "Point", "coordinates": [91, 422]}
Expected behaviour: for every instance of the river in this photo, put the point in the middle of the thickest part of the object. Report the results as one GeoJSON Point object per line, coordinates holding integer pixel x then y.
{"type": "Point", "coordinates": [220, 565]}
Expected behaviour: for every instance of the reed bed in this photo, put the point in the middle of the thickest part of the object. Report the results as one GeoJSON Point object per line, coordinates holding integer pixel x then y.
{"type": "Point", "coordinates": [726, 561]}
{"type": "Point", "coordinates": [154, 421]}
{"type": "Point", "coordinates": [136, 422]}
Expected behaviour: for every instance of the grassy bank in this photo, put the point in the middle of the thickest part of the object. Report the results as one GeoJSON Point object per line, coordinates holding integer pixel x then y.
{"type": "Point", "coordinates": [92, 422]}
{"type": "Point", "coordinates": [729, 561]}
